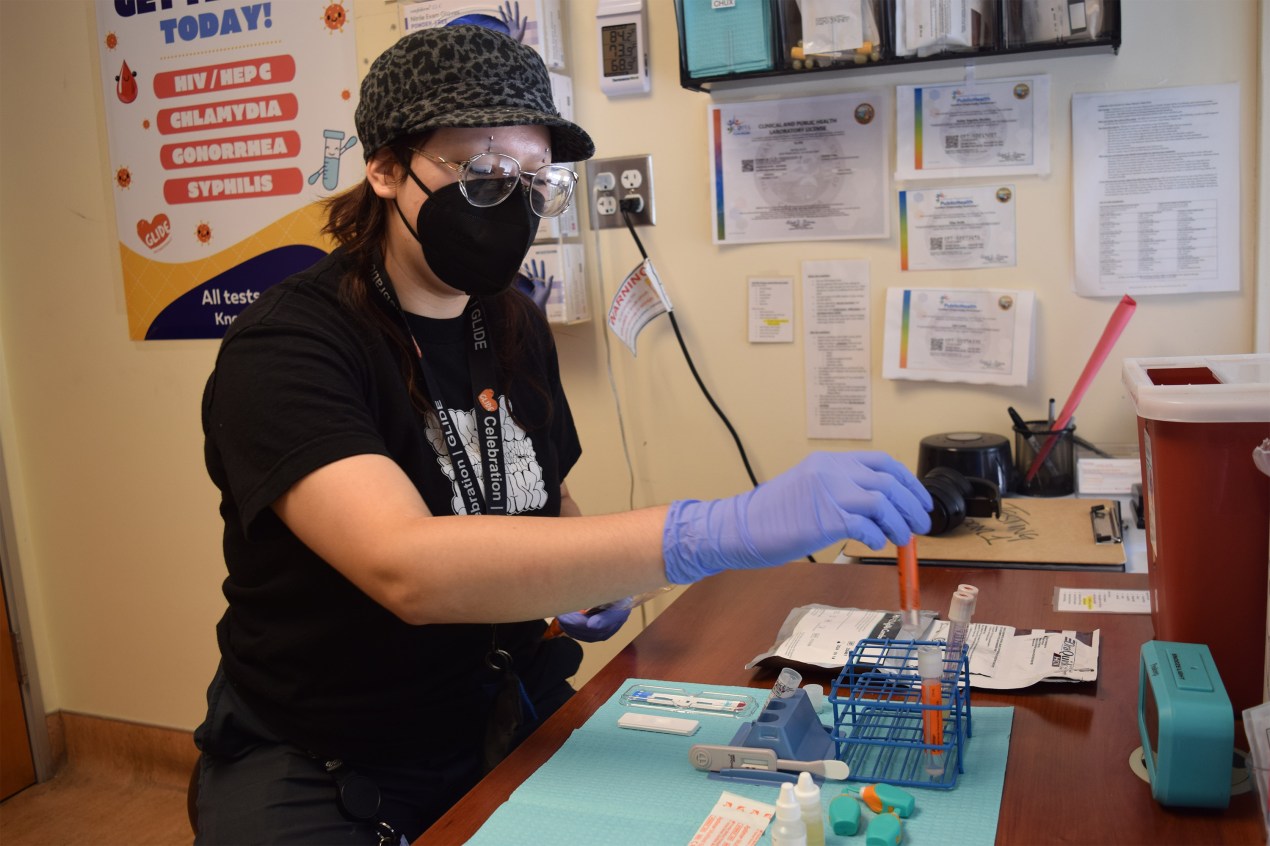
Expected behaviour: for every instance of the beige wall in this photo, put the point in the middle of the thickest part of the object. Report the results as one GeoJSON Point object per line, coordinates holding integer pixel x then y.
{"type": "Point", "coordinates": [115, 523]}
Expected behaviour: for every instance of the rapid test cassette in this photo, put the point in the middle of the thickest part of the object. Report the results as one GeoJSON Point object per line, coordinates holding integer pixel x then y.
{"type": "Point", "coordinates": [684, 701]}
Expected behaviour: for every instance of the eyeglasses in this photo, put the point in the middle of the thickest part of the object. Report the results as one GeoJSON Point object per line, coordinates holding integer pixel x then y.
{"type": "Point", "coordinates": [487, 179]}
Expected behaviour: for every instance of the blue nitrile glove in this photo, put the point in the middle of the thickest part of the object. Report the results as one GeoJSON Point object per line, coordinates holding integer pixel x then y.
{"type": "Point", "coordinates": [594, 625]}
{"type": "Point", "coordinates": [826, 498]}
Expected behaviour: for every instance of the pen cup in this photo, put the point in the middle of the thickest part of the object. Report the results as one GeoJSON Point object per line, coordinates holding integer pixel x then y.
{"type": "Point", "coordinates": [1057, 474]}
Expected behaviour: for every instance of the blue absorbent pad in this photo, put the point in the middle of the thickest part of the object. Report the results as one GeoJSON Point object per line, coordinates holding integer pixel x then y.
{"type": "Point", "coordinates": [616, 786]}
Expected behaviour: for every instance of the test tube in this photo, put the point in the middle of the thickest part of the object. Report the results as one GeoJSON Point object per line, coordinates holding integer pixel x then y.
{"type": "Point", "coordinates": [959, 613]}
{"type": "Point", "coordinates": [972, 592]}
{"type": "Point", "coordinates": [786, 683]}
{"type": "Point", "coordinates": [910, 592]}
{"type": "Point", "coordinates": [930, 668]}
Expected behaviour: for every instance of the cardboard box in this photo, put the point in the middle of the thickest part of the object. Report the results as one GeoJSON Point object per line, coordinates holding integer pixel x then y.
{"type": "Point", "coordinates": [539, 25]}
{"type": "Point", "coordinates": [562, 94]}
{"type": "Point", "coordinates": [563, 265]}
{"type": "Point", "coordinates": [567, 224]}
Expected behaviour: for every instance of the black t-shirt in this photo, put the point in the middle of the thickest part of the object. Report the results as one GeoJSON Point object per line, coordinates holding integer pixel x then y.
{"type": "Point", "coordinates": [299, 383]}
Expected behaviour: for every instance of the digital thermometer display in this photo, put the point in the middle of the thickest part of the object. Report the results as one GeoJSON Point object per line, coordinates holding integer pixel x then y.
{"type": "Point", "coordinates": [620, 43]}
{"type": "Point", "coordinates": [622, 27]}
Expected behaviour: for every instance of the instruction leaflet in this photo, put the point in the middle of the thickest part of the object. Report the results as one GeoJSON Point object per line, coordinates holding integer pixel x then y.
{"type": "Point", "coordinates": [1001, 657]}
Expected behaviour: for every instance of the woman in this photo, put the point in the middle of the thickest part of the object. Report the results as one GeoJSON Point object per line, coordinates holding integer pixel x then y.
{"type": "Point", "coordinates": [385, 426]}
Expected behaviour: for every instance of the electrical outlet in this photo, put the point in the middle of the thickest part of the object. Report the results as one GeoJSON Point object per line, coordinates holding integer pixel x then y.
{"type": "Point", "coordinates": [604, 181]}
{"type": "Point", "coordinates": [613, 180]}
{"type": "Point", "coordinates": [606, 204]}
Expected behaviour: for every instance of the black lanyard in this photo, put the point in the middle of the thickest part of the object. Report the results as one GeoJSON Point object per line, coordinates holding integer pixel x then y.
{"type": "Point", "coordinates": [482, 373]}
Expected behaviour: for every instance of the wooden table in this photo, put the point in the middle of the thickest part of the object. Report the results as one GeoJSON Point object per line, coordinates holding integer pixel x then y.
{"type": "Point", "coordinates": [1067, 774]}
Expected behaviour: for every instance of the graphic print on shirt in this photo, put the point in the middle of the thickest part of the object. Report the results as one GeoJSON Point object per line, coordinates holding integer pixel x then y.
{"type": "Point", "coordinates": [526, 490]}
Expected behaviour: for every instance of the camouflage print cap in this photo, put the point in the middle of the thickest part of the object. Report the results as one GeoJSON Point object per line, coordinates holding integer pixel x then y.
{"type": "Point", "coordinates": [461, 76]}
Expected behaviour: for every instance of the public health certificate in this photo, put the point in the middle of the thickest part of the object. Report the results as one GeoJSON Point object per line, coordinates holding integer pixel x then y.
{"type": "Point", "coordinates": [804, 169]}
{"type": "Point", "coordinates": [981, 336]}
{"type": "Point", "coordinates": [986, 128]}
{"type": "Point", "coordinates": [963, 227]}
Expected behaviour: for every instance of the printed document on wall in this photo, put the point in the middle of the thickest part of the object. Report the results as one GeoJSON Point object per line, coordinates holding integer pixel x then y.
{"type": "Point", "coordinates": [983, 336]}
{"type": "Point", "coordinates": [957, 228]}
{"type": "Point", "coordinates": [992, 127]}
{"type": "Point", "coordinates": [771, 310]}
{"type": "Point", "coordinates": [803, 169]}
{"type": "Point", "coordinates": [836, 349]}
{"type": "Point", "coordinates": [1155, 177]}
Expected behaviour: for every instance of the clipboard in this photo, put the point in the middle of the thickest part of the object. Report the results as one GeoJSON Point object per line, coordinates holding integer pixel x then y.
{"type": "Point", "coordinates": [1031, 533]}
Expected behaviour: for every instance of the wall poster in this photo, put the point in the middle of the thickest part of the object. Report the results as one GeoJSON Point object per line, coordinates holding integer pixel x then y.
{"type": "Point", "coordinates": [226, 122]}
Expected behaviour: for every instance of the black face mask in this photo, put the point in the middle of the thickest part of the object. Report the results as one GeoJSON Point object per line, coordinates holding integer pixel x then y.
{"type": "Point", "coordinates": [475, 250]}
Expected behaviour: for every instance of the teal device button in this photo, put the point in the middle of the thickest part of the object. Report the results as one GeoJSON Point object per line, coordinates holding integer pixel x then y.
{"type": "Point", "coordinates": [1189, 672]}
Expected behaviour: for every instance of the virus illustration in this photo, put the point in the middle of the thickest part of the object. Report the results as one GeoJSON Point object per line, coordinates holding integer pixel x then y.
{"type": "Point", "coordinates": [203, 233]}
{"type": "Point", "coordinates": [335, 17]}
{"type": "Point", "coordinates": [123, 177]}
{"type": "Point", "coordinates": [112, 41]}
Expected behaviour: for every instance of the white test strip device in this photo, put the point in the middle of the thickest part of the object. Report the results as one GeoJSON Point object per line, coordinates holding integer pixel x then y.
{"type": "Point", "coordinates": [694, 703]}
{"type": "Point", "coordinates": [652, 722]}
{"type": "Point", "coordinates": [706, 756]}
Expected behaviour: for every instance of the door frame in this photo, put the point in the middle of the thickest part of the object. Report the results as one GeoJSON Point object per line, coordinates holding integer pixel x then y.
{"type": "Point", "coordinates": [1261, 299]}
{"type": "Point", "coordinates": [20, 622]}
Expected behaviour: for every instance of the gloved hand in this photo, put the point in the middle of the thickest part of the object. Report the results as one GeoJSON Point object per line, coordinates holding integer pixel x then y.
{"type": "Point", "coordinates": [825, 498]}
{"type": "Point", "coordinates": [596, 626]}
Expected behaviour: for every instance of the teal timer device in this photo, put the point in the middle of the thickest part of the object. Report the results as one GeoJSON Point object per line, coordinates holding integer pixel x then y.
{"type": "Point", "coordinates": [1187, 725]}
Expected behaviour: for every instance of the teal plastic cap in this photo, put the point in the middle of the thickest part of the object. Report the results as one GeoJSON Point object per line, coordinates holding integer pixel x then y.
{"type": "Point", "coordinates": [884, 830]}
{"type": "Point", "coordinates": [844, 815]}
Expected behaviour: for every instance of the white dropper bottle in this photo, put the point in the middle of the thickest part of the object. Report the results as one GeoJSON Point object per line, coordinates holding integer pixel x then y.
{"type": "Point", "coordinates": [788, 830]}
{"type": "Point", "coordinates": [807, 792]}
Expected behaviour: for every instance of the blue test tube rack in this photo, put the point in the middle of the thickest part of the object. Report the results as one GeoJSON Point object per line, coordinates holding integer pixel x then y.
{"type": "Point", "coordinates": [878, 715]}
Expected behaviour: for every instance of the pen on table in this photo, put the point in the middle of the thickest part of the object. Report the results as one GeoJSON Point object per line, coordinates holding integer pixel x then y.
{"type": "Point", "coordinates": [1110, 334]}
{"type": "Point", "coordinates": [910, 593]}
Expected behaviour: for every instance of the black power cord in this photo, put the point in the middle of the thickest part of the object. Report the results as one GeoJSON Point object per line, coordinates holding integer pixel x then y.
{"type": "Point", "coordinates": [634, 206]}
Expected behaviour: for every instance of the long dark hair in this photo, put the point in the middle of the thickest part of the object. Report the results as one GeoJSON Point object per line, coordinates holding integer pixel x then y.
{"type": "Point", "coordinates": [358, 220]}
